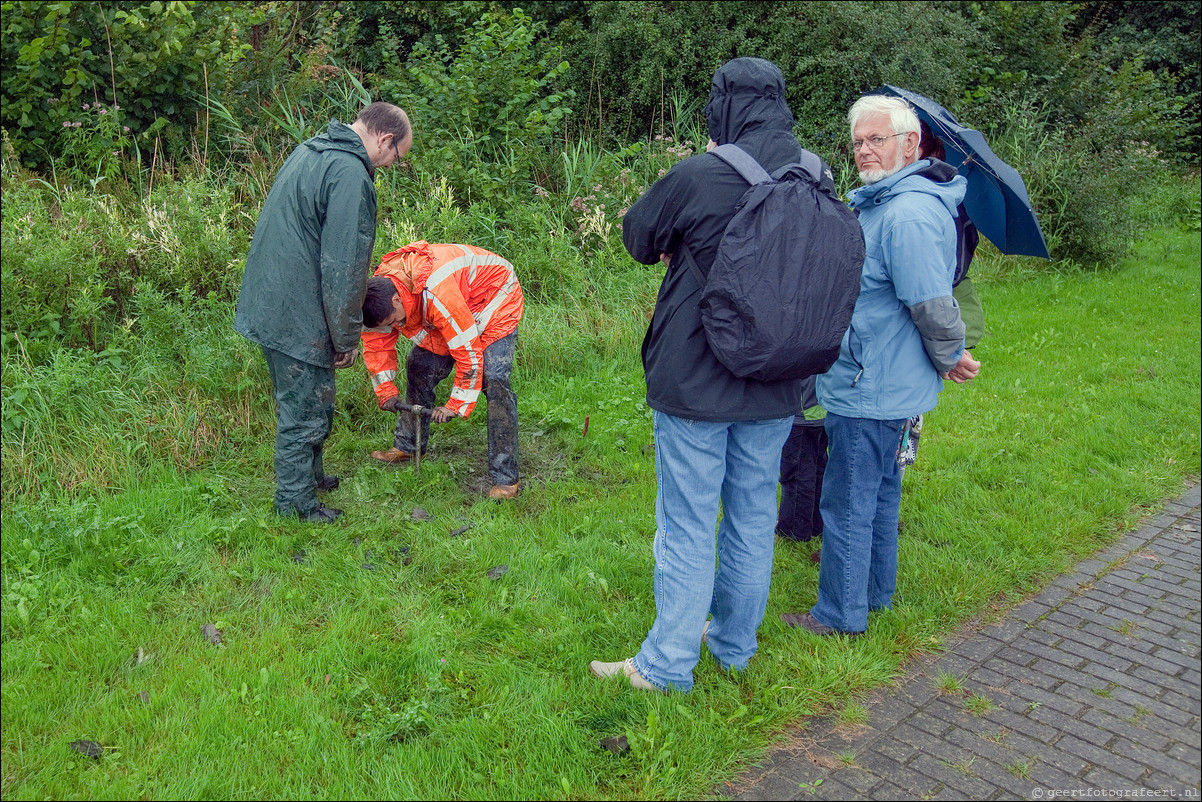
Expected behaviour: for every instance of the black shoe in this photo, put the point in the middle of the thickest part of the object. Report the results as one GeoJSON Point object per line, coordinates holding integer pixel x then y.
{"type": "Point", "coordinates": [321, 515]}
{"type": "Point", "coordinates": [327, 482]}
{"type": "Point", "coordinates": [811, 624]}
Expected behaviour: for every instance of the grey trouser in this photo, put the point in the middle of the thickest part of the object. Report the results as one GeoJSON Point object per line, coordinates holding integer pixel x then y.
{"type": "Point", "coordinates": [304, 402]}
{"type": "Point", "coordinates": [424, 370]}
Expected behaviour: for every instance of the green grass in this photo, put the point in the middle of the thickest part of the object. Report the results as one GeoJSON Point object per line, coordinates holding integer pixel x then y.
{"type": "Point", "coordinates": [136, 509]}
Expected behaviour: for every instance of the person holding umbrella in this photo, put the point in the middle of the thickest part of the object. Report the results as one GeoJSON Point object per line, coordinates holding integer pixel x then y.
{"type": "Point", "coordinates": [906, 336]}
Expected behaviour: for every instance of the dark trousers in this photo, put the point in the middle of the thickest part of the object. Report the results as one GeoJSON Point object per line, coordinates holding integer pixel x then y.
{"type": "Point", "coordinates": [304, 413]}
{"type": "Point", "coordinates": [424, 370]}
{"type": "Point", "coordinates": [802, 464]}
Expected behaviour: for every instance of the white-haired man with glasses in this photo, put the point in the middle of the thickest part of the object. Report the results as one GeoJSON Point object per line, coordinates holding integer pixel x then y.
{"type": "Point", "coordinates": [906, 336]}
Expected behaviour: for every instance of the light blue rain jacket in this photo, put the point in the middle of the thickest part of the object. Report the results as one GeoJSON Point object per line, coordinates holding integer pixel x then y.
{"type": "Point", "coordinates": [883, 371]}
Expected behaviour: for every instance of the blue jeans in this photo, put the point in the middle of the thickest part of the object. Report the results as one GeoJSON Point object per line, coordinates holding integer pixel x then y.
{"type": "Point", "coordinates": [861, 496]}
{"type": "Point", "coordinates": [699, 464]}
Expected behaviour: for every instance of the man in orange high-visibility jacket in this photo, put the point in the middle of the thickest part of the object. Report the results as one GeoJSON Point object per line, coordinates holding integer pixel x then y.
{"type": "Point", "coordinates": [460, 305]}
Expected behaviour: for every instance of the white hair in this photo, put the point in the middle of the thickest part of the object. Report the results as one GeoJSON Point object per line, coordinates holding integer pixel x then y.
{"type": "Point", "coordinates": [902, 118]}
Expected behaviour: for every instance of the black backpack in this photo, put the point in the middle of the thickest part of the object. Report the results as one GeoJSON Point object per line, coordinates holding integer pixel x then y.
{"type": "Point", "coordinates": [967, 237]}
{"type": "Point", "coordinates": [779, 296]}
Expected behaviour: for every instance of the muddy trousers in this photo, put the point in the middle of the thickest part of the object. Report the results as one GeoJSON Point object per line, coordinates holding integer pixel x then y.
{"type": "Point", "coordinates": [424, 370]}
{"type": "Point", "coordinates": [304, 404]}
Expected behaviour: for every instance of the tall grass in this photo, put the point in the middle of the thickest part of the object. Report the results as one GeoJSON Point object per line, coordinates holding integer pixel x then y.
{"type": "Point", "coordinates": [378, 658]}
{"type": "Point", "coordinates": [389, 655]}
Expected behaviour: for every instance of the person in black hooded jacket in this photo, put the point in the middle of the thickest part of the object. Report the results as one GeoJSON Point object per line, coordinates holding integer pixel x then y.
{"type": "Point", "coordinates": [718, 437]}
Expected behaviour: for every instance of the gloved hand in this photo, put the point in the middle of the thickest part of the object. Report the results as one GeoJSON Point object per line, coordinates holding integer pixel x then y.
{"type": "Point", "coordinates": [392, 405]}
{"type": "Point", "coordinates": [345, 360]}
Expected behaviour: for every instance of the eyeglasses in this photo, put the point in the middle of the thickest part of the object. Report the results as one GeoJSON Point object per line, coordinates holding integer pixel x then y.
{"type": "Point", "coordinates": [873, 142]}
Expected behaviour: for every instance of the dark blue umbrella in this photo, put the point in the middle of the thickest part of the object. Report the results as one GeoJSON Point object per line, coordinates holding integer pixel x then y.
{"type": "Point", "coordinates": [997, 201]}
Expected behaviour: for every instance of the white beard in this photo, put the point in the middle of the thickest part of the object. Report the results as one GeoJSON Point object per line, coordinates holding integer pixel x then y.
{"type": "Point", "coordinates": [872, 176]}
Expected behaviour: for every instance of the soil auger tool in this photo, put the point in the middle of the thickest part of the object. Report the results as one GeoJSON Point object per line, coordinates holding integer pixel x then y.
{"type": "Point", "coordinates": [417, 411]}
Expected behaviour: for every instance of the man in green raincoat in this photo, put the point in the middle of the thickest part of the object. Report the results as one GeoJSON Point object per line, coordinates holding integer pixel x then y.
{"type": "Point", "coordinates": [302, 293]}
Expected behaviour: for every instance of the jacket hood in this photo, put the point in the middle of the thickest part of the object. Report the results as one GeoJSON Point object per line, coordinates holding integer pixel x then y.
{"type": "Point", "coordinates": [747, 107]}
{"type": "Point", "coordinates": [928, 176]}
{"type": "Point", "coordinates": [341, 137]}
{"type": "Point", "coordinates": [410, 265]}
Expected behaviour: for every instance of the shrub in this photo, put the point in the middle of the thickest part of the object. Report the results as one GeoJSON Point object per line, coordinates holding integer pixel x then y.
{"type": "Point", "coordinates": [485, 113]}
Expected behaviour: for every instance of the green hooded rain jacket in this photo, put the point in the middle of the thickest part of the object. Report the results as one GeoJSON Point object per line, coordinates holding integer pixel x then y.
{"type": "Point", "coordinates": [306, 274]}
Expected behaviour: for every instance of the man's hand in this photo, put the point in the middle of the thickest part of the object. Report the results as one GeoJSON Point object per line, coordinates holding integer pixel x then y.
{"type": "Point", "coordinates": [392, 405]}
{"type": "Point", "coordinates": [442, 415]}
{"type": "Point", "coordinates": [345, 360]}
{"type": "Point", "coordinates": [666, 258]}
{"type": "Point", "coordinates": [965, 370]}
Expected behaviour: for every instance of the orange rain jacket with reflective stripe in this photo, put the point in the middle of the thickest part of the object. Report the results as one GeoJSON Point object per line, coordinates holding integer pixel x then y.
{"type": "Point", "coordinates": [458, 300]}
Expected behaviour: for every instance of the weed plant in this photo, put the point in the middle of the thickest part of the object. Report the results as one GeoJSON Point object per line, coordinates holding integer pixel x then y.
{"type": "Point", "coordinates": [389, 654]}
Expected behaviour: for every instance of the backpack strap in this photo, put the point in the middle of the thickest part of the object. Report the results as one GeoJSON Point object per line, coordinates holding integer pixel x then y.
{"type": "Point", "coordinates": [754, 174]}
{"type": "Point", "coordinates": [742, 161]}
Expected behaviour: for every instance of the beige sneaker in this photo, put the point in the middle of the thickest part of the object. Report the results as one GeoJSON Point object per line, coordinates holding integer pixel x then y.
{"type": "Point", "coordinates": [626, 667]}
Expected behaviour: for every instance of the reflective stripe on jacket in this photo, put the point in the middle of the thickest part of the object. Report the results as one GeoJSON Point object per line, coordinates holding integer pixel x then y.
{"type": "Point", "coordinates": [458, 300]}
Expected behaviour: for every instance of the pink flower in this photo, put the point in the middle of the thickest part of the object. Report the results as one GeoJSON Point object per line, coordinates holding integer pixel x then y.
{"type": "Point", "coordinates": [86, 107]}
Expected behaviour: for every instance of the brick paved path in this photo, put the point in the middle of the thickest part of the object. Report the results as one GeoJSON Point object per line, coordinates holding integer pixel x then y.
{"type": "Point", "coordinates": [1094, 684]}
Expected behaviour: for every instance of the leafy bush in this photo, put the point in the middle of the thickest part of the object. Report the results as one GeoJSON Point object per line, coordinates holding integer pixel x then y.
{"type": "Point", "coordinates": [484, 113]}
{"type": "Point", "coordinates": [150, 59]}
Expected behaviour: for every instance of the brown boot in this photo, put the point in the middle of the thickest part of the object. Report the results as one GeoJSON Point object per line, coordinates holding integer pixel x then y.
{"type": "Point", "coordinates": [392, 455]}
{"type": "Point", "coordinates": [500, 492]}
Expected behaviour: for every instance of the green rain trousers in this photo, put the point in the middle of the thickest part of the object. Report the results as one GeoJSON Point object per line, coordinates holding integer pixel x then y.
{"type": "Point", "coordinates": [304, 398]}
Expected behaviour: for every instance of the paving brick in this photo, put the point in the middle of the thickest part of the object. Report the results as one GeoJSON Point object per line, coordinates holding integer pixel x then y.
{"type": "Point", "coordinates": [1164, 583]}
{"type": "Point", "coordinates": [1145, 674]}
{"type": "Point", "coordinates": [1023, 675]}
{"type": "Point", "coordinates": [1157, 760]}
{"type": "Point", "coordinates": [986, 677]}
{"type": "Point", "coordinates": [1096, 656]}
{"type": "Point", "coordinates": [1122, 679]}
{"type": "Point", "coordinates": [1044, 774]}
{"type": "Point", "coordinates": [1104, 779]}
{"type": "Point", "coordinates": [1094, 701]}
{"type": "Point", "coordinates": [952, 775]}
{"type": "Point", "coordinates": [1064, 659]}
{"type": "Point", "coordinates": [861, 782]}
{"type": "Point", "coordinates": [1036, 635]}
{"type": "Point", "coordinates": [1178, 708]}
{"type": "Point", "coordinates": [1002, 777]}
{"type": "Point", "coordinates": [1098, 756]}
{"type": "Point", "coordinates": [1172, 616]}
{"type": "Point", "coordinates": [1077, 634]}
{"type": "Point", "coordinates": [1139, 639]}
{"type": "Point", "coordinates": [1065, 617]}
{"type": "Point", "coordinates": [1186, 753]}
{"type": "Point", "coordinates": [1024, 734]}
{"type": "Point", "coordinates": [1030, 610]}
{"type": "Point", "coordinates": [1129, 606]}
{"type": "Point", "coordinates": [929, 724]}
{"type": "Point", "coordinates": [831, 788]}
{"type": "Point", "coordinates": [772, 786]}
{"type": "Point", "coordinates": [888, 790]}
{"type": "Point", "coordinates": [1006, 630]}
{"type": "Point", "coordinates": [1124, 728]}
{"type": "Point", "coordinates": [898, 750]}
{"type": "Point", "coordinates": [1186, 657]}
{"type": "Point", "coordinates": [955, 664]}
{"type": "Point", "coordinates": [908, 734]}
{"type": "Point", "coordinates": [890, 711]}
{"type": "Point", "coordinates": [978, 649]}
